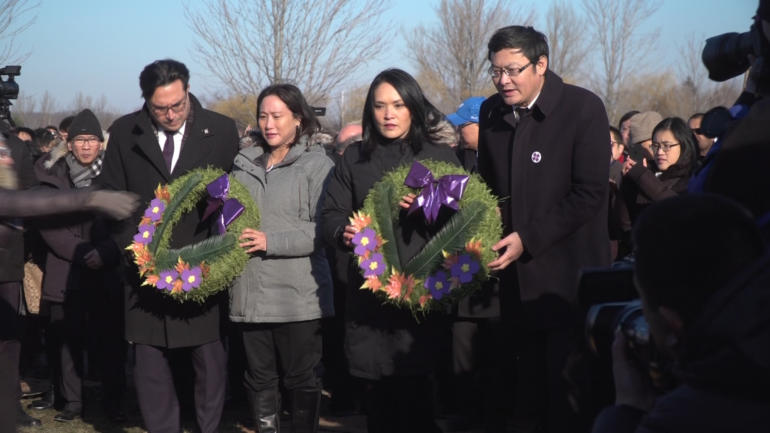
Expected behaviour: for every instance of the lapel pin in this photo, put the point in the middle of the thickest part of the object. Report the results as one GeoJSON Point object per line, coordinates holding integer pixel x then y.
{"type": "Point", "coordinates": [205, 131]}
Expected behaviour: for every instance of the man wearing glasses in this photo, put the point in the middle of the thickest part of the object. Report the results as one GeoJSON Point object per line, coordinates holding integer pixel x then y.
{"type": "Point", "coordinates": [543, 150]}
{"type": "Point", "coordinates": [171, 135]}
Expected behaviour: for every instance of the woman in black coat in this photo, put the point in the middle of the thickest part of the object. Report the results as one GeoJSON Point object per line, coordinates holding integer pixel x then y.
{"type": "Point", "coordinates": [384, 344]}
{"type": "Point", "coordinates": [673, 146]}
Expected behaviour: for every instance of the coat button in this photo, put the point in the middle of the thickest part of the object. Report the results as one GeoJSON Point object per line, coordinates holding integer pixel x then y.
{"type": "Point", "coordinates": [536, 157]}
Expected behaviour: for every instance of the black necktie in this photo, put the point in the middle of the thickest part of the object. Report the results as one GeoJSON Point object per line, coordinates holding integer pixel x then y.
{"type": "Point", "coordinates": [168, 149]}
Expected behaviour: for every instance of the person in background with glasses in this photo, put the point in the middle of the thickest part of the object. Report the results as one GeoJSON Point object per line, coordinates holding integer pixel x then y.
{"type": "Point", "coordinates": [171, 135]}
{"type": "Point", "coordinates": [674, 149]}
{"type": "Point", "coordinates": [543, 150]}
{"type": "Point", "coordinates": [80, 288]}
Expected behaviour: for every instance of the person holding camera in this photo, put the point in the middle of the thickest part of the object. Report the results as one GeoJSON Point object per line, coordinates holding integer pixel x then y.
{"type": "Point", "coordinates": [704, 294]}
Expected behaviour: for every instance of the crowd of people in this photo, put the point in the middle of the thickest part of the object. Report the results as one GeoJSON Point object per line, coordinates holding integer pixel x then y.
{"type": "Point", "coordinates": [294, 322]}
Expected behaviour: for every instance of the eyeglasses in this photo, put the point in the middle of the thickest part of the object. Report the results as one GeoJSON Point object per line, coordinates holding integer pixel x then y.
{"type": "Point", "coordinates": [697, 131]}
{"type": "Point", "coordinates": [497, 73]}
{"type": "Point", "coordinates": [665, 146]}
{"type": "Point", "coordinates": [83, 140]}
{"type": "Point", "coordinates": [176, 107]}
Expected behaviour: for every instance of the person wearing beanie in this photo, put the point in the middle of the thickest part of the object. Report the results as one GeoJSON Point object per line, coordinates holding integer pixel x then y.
{"type": "Point", "coordinates": [80, 285]}
{"type": "Point", "coordinates": [640, 136]}
{"type": "Point", "coordinates": [466, 120]}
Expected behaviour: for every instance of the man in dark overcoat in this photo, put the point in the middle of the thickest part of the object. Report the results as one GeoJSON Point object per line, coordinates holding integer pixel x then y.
{"type": "Point", "coordinates": [171, 135]}
{"type": "Point", "coordinates": [543, 149]}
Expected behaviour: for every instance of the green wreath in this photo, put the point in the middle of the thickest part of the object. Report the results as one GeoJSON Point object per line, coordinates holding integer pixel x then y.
{"type": "Point", "coordinates": [192, 272]}
{"type": "Point", "coordinates": [450, 266]}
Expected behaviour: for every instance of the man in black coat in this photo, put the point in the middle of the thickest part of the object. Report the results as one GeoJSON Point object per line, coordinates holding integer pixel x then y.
{"type": "Point", "coordinates": [543, 150]}
{"type": "Point", "coordinates": [171, 135]}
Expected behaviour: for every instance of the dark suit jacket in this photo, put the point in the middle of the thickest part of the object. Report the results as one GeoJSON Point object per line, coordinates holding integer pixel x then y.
{"type": "Point", "coordinates": [551, 170]}
{"type": "Point", "coordinates": [134, 162]}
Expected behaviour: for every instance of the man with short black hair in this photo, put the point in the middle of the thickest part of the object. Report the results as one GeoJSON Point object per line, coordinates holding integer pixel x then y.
{"type": "Point", "coordinates": [543, 150]}
{"type": "Point", "coordinates": [704, 142]}
{"type": "Point", "coordinates": [171, 135]}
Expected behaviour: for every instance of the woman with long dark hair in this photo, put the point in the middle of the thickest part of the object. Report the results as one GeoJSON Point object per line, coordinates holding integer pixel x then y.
{"type": "Point", "coordinates": [285, 288]}
{"type": "Point", "coordinates": [385, 345]}
{"type": "Point", "coordinates": [673, 147]}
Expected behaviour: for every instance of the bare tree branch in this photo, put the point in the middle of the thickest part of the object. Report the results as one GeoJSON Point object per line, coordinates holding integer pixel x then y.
{"type": "Point", "coordinates": [248, 44]}
{"type": "Point", "coordinates": [567, 41]}
{"type": "Point", "coordinates": [451, 58]}
{"type": "Point", "coordinates": [15, 17]}
{"type": "Point", "coordinates": [622, 48]}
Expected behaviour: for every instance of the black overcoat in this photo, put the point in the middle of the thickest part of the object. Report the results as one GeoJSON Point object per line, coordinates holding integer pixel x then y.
{"type": "Point", "coordinates": [69, 238]}
{"type": "Point", "coordinates": [551, 170]}
{"type": "Point", "coordinates": [134, 162]}
{"type": "Point", "coordinates": [381, 339]}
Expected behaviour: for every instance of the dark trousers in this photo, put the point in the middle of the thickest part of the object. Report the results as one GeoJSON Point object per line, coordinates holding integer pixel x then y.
{"type": "Point", "coordinates": [482, 358]}
{"type": "Point", "coordinates": [157, 396]}
{"type": "Point", "coordinates": [546, 337]}
{"type": "Point", "coordinates": [10, 350]}
{"type": "Point", "coordinates": [293, 348]}
{"type": "Point", "coordinates": [84, 316]}
{"type": "Point", "coordinates": [401, 404]}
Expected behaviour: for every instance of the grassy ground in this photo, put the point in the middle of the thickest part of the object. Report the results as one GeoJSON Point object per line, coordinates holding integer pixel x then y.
{"type": "Point", "coordinates": [95, 420]}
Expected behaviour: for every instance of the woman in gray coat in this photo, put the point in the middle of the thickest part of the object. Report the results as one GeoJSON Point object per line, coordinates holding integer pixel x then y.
{"type": "Point", "coordinates": [286, 286]}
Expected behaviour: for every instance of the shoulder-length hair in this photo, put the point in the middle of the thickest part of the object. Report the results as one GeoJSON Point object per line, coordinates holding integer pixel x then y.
{"type": "Point", "coordinates": [424, 116]}
{"type": "Point", "coordinates": [683, 135]}
{"type": "Point", "coordinates": [300, 109]}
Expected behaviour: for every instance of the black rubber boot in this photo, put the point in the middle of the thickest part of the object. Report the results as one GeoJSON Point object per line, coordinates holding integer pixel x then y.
{"type": "Point", "coordinates": [305, 411]}
{"type": "Point", "coordinates": [264, 411]}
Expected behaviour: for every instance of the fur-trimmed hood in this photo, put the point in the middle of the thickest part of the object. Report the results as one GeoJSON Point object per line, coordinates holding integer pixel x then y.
{"type": "Point", "coordinates": [59, 151]}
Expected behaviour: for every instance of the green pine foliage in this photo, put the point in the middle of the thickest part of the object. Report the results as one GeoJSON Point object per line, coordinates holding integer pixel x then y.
{"type": "Point", "coordinates": [383, 197]}
{"type": "Point", "coordinates": [221, 253]}
{"type": "Point", "coordinates": [451, 237]}
{"type": "Point", "coordinates": [478, 219]}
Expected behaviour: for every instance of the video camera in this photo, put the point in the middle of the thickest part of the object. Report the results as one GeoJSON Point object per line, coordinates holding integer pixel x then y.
{"type": "Point", "coordinates": [611, 303]}
{"type": "Point", "coordinates": [730, 54]}
{"type": "Point", "coordinates": [9, 89]}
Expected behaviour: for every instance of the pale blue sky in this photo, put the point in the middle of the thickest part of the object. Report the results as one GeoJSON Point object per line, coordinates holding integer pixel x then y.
{"type": "Point", "coordinates": [98, 47]}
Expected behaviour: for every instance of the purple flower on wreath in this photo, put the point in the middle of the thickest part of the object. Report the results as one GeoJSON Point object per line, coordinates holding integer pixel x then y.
{"type": "Point", "coordinates": [166, 279]}
{"type": "Point", "coordinates": [374, 266]}
{"type": "Point", "coordinates": [465, 268]}
{"type": "Point", "coordinates": [438, 285]}
{"type": "Point", "coordinates": [191, 278]}
{"type": "Point", "coordinates": [144, 236]}
{"type": "Point", "coordinates": [155, 210]}
{"type": "Point", "coordinates": [365, 240]}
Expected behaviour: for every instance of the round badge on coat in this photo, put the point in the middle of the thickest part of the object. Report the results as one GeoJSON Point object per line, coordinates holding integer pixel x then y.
{"type": "Point", "coordinates": [536, 157]}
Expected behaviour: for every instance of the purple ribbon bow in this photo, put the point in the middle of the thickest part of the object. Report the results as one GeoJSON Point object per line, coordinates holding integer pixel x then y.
{"type": "Point", "coordinates": [447, 190]}
{"type": "Point", "coordinates": [229, 208]}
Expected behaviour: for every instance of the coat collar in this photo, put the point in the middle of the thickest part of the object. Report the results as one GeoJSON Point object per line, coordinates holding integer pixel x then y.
{"type": "Point", "coordinates": [193, 147]}
{"type": "Point", "coordinates": [545, 104]}
{"type": "Point", "coordinates": [550, 95]}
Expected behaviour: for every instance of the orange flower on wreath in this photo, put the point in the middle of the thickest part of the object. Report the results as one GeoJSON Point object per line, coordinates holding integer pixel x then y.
{"type": "Point", "coordinates": [360, 220]}
{"type": "Point", "coordinates": [161, 193]}
{"type": "Point", "coordinates": [181, 266]}
{"type": "Point", "coordinates": [424, 299]}
{"type": "Point", "coordinates": [151, 280]}
{"type": "Point", "coordinates": [372, 283]}
{"type": "Point", "coordinates": [400, 285]}
{"type": "Point", "coordinates": [474, 247]}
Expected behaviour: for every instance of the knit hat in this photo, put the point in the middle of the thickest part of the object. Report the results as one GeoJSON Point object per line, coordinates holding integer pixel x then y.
{"type": "Point", "coordinates": [85, 123]}
{"type": "Point", "coordinates": [641, 126]}
{"type": "Point", "coordinates": [467, 112]}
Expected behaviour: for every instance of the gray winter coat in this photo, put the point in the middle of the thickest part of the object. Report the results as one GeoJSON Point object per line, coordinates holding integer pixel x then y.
{"type": "Point", "coordinates": [291, 281]}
